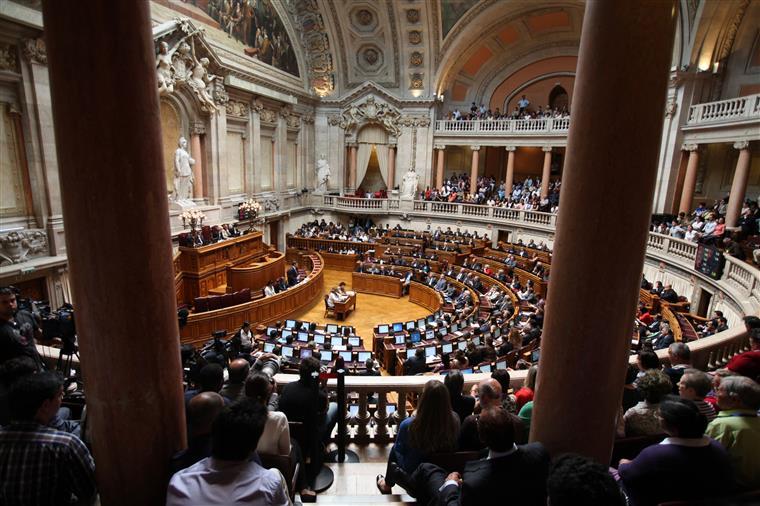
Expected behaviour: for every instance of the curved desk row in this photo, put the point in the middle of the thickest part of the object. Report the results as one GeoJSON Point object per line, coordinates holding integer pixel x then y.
{"type": "Point", "coordinates": [256, 275]}
{"type": "Point", "coordinates": [262, 311]}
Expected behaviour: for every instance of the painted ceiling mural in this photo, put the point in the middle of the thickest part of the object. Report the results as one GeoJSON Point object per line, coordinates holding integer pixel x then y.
{"type": "Point", "coordinates": [452, 11]}
{"type": "Point", "coordinates": [255, 23]}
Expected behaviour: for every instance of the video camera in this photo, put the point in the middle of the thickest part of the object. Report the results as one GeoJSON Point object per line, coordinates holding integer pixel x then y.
{"type": "Point", "coordinates": [60, 323]}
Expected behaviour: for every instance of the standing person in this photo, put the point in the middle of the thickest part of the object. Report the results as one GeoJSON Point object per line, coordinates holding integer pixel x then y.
{"type": "Point", "coordinates": [17, 329]}
{"type": "Point", "coordinates": [40, 465]}
{"type": "Point", "coordinates": [523, 104]}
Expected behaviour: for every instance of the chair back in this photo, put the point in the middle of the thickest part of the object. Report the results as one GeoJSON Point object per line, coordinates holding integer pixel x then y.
{"type": "Point", "coordinates": [286, 466]}
{"type": "Point", "coordinates": [630, 447]}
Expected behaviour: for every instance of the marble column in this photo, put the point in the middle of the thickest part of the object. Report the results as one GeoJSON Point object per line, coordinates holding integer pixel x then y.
{"type": "Point", "coordinates": [510, 178]}
{"type": "Point", "coordinates": [739, 184]}
{"type": "Point", "coordinates": [690, 181]}
{"type": "Point", "coordinates": [352, 151]}
{"type": "Point", "coordinates": [391, 167]}
{"type": "Point", "coordinates": [583, 360]}
{"type": "Point", "coordinates": [439, 165]}
{"type": "Point", "coordinates": [195, 151]}
{"type": "Point", "coordinates": [474, 169]}
{"type": "Point", "coordinates": [546, 173]}
{"type": "Point", "coordinates": [110, 157]}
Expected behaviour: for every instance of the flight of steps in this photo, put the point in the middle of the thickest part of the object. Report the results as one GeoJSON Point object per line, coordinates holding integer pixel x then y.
{"type": "Point", "coordinates": [355, 484]}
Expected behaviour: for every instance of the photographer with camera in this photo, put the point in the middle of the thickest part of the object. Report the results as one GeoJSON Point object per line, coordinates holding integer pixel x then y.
{"type": "Point", "coordinates": [18, 329]}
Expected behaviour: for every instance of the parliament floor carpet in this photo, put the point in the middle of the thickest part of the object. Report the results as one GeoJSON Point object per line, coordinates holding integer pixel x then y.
{"type": "Point", "coordinates": [370, 309]}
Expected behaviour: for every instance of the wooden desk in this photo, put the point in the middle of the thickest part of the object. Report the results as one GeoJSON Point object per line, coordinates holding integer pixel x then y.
{"type": "Point", "coordinates": [424, 296]}
{"type": "Point", "coordinates": [376, 284]}
{"type": "Point", "coordinates": [339, 262]}
{"type": "Point", "coordinates": [342, 309]}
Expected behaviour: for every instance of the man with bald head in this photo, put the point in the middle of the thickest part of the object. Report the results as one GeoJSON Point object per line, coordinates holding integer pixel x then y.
{"type": "Point", "coordinates": [489, 396]}
{"type": "Point", "coordinates": [201, 412]}
{"type": "Point", "coordinates": [234, 388]}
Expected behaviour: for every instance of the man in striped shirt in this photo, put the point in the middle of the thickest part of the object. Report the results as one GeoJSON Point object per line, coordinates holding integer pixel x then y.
{"type": "Point", "coordinates": [694, 385]}
{"type": "Point", "coordinates": [40, 465]}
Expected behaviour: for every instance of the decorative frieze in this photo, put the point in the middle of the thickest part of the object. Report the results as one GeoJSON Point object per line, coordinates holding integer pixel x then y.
{"type": "Point", "coordinates": [23, 245]}
{"type": "Point", "coordinates": [8, 59]}
{"type": "Point", "coordinates": [268, 116]}
{"type": "Point", "coordinates": [237, 109]}
{"type": "Point", "coordinates": [34, 51]}
{"type": "Point", "coordinates": [368, 112]}
{"type": "Point", "coordinates": [314, 38]}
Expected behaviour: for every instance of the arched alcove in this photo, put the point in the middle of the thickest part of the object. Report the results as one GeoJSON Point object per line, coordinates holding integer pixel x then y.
{"type": "Point", "coordinates": [558, 98]}
{"type": "Point", "coordinates": [372, 158]}
{"type": "Point", "coordinates": [171, 130]}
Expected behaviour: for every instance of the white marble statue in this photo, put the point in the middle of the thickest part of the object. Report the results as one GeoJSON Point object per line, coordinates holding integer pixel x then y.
{"type": "Point", "coordinates": [323, 176]}
{"type": "Point", "coordinates": [409, 184]}
{"type": "Point", "coordinates": [202, 82]}
{"type": "Point", "coordinates": [183, 173]}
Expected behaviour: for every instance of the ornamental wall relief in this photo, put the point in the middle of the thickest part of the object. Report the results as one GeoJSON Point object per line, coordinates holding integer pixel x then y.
{"type": "Point", "coordinates": [368, 112]}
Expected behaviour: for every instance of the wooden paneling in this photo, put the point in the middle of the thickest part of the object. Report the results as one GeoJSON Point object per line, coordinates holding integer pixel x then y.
{"type": "Point", "coordinates": [425, 296]}
{"type": "Point", "coordinates": [262, 311]}
{"type": "Point", "coordinates": [377, 284]}
{"type": "Point", "coordinates": [339, 262]}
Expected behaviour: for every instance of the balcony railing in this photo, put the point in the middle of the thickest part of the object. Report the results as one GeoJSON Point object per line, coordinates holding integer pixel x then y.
{"type": "Point", "coordinates": [724, 111]}
{"type": "Point", "coordinates": [539, 126]}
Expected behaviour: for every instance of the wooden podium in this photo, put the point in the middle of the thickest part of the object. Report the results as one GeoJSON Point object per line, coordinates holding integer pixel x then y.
{"type": "Point", "coordinates": [205, 268]}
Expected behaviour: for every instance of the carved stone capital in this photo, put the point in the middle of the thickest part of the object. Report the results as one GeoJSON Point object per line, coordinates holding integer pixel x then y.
{"type": "Point", "coordinates": [690, 147]}
{"type": "Point", "coordinates": [440, 146]}
{"type": "Point", "coordinates": [308, 118]}
{"type": "Point", "coordinates": [352, 145]}
{"type": "Point", "coordinates": [546, 149]}
{"type": "Point", "coordinates": [474, 148]}
{"type": "Point", "coordinates": [741, 145]}
{"type": "Point", "coordinates": [670, 108]}
{"type": "Point", "coordinates": [220, 93]}
{"type": "Point", "coordinates": [510, 148]}
{"type": "Point", "coordinates": [34, 51]}
{"type": "Point", "coordinates": [257, 106]}
{"type": "Point", "coordinates": [197, 128]}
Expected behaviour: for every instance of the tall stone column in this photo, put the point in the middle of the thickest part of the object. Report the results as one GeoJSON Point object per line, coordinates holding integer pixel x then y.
{"type": "Point", "coordinates": [197, 130]}
{"type": "Point", "coordinates": [546, 172]}
{"type": "Point", "coordinates": [391, 166]}
{"type": "Point", "coordinates": [690, 181]}
{"type": "Point", "coordinates": [352, 151]}
{"type": "Point", "coordinates": [739, 185]}
{"type": "Point", "coordinates": [474, 169]}
{"type": "Point", "coordinates": [510, 178]}
{"type": "Point", "coordinates": [439, 165]}
{"type": "Point", "coordinates": [108, 135]}
{"type": "Point", "coordinates": [583, 360]}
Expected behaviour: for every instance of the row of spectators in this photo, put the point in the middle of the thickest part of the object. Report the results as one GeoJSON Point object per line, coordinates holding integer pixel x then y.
{"type": "Point", "coordinates": [525, 194]}
{"type": "Point", "coordinates": [521, 111]}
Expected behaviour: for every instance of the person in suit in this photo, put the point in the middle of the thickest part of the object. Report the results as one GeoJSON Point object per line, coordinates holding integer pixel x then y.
{"type": "Point", "coordinates": [520, 469]}
{"type": "Point", "coordinates": [293, 274]}
{"type": "Point", "coordinates": [462, 405]}
{"type": "Point", "coordinates": [416, 363]}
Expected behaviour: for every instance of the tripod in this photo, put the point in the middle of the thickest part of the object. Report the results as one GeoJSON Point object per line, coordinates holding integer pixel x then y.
{"type": "Point", "coordinates": [65, 357]}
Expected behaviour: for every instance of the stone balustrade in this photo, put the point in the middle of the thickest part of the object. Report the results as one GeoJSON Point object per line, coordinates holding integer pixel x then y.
{"type": "Point", "coordinates": [723, 111]}
{"type": "Point", "coordinates": [511, 127]}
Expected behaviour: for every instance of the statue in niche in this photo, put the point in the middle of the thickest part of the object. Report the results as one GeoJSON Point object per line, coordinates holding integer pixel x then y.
{"type": "Point", "coordinates": [409, 184]}
{"type": "Point", "coordinates": [323, 176]}
{"type": "Point", "coordinates": [183, 173]}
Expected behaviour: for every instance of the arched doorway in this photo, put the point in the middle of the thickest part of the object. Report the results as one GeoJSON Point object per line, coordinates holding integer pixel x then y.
{"type": "Point", "coordinates": [372, 159]}
{"type": "Point", "coordinates": [558, 99]}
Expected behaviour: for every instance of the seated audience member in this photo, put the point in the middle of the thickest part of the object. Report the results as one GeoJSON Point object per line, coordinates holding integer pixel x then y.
{"type": "Point", "coordinates": [242, 341]}
{"type": "Point", "coordinates": [508, 401]}
{"type": "Point", "coordinates": [229, 475]}
{"type": "Point", "coordinates": [679, 356]}
{"type": "Point", "coordinates": [462, 405]}
{"type": "Point", "coordinates": [489, 396]}
{"type": "Point", "coordinates": [370, 368]}
{"type": "Point", "coordinates": [687, 465]}
{"type": "Point", "coordinates": [210, 379]}
{"type": "Point", "coordinates": [415, 364]}
{"type": "Point", "coordinates": [234, 388]}
{"type": "Point", "coordinates": [694, 385]}
{"type": "Point", "coordinates": [642, 419]}
{"type": "Point", "coordinates": [10, 371]}
{"type": "Point", "coordinates": [575, 480]}
{"type": "Point", "coordinates": [516, 473]}
{"type": "Point", "coordinates": [38, 464]}
{"type": "Point", "coordinates": [647, 360]}
{"type": "Point", "coordinates": [432, 429]}
{"type": "Point", "coordinates": [201, 411]}
{"type": "Point", "coordinates": [748, 363]}
{"type": "Point", "coordinates": [525, 394]}
{"type": "Point", "coordinates": [737, 427]}
{"type": "Point", "coordinates": [669, 295]}
{"type": "Point", "coordinates": [664, 338]}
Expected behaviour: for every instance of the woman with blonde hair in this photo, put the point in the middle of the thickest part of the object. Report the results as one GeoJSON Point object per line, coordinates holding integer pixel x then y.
{"type": "Point", "coordinates": [433, 428]}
